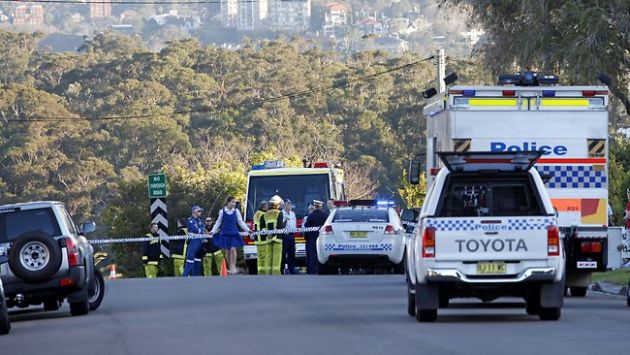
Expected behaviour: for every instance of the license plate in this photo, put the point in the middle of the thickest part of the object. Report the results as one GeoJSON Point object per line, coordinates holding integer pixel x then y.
{"type": "Point", "coordinates": [491, 268]}
{"type": "Point", "coordinates": [358, 234]}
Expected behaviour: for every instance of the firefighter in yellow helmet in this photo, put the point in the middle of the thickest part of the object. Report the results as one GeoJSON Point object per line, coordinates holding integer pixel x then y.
{"type": "Point", "coordinates": [269, 246]}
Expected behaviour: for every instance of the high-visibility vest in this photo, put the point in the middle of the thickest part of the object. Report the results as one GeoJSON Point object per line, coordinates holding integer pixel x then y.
{"type": "Point", "coordinates": [179, 246]}
{"type": "Point", "coordinates": [257, 216]}
{"type": "Point", "coordinates": [271, 219]}
{"type": "Point", "coordinates": [152, 252]}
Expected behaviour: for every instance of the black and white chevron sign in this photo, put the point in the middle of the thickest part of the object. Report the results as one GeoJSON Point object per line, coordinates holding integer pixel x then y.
{"type": "Point", "coordinates": [159, 216]}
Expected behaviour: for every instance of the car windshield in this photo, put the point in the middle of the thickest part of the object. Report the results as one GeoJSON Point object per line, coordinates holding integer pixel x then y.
{"type": "Point", "coordinates": [361, 214]}
{"type": "Point", "coordinates": [17, 223]}
{"type": "Point", "coordinates": [466, 196]}
{"type": "Point", "coordinates": [300, 189]}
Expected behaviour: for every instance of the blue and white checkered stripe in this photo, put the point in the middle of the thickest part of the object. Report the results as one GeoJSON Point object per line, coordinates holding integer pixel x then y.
{"type": "Point", "coordinates": [358, 247]}
{"type": "Point", "coordinates": [463, 224]}
{"type": "Point", "coordinates": [452, 224]}
{"type": "Point", "coordinates": [529, 223]}
{"type": "Point", "coordinates": [574, 176]}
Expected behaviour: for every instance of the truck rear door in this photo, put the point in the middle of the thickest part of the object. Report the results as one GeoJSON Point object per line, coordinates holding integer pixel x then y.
{"type": "Point", "coordinates": [490, 210]}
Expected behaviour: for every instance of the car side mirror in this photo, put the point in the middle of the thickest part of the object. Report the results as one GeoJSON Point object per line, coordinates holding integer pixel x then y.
{"type": "Point", "coordinates": [413, 173]}
{"type": "Point", "coordinates": [88, 227]}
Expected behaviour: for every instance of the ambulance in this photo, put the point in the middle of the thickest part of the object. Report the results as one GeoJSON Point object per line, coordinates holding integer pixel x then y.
{"type": "Point", "coordinates": [317, 181]}
{"type": "Point", "coordinates": [567, 124]}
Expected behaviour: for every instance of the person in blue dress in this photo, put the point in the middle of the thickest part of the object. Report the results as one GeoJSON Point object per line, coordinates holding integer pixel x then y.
{"type": "Point", "coordinates": [229, 224]}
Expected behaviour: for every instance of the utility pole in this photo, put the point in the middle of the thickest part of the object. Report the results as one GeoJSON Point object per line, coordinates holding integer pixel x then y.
{"type": "Point", "coordinates": [440, 63]}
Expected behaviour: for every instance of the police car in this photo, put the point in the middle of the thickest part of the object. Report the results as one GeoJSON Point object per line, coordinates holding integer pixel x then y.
{"type": "Point", "coordinates": [366, 233]}
{"type": "Point", "coordinates": [487, 229]}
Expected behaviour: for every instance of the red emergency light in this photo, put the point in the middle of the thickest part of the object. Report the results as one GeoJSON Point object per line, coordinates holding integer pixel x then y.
{"type": "Point", "coordinates": [321, 165]}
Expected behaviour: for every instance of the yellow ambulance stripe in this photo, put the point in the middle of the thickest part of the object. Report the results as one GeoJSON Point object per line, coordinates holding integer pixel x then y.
{"type": "Point", "coordinates": [564, 102]}
{"type": "Point", "coordinates": [492, 102]}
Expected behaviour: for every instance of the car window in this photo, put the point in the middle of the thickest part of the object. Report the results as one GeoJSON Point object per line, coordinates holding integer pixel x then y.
{"type": "Point", "coordinates": [68, 220]}
{"type": "Point", "coordinates": [377, 215]}
{"type": "Point", "coordinates": [21, 222]}
{"type": "Point", "coordinates": [491, 196]}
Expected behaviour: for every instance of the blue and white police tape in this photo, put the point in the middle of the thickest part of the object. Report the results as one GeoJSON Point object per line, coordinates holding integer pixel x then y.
{"type": "Point", "coordinates": [190, 236]}
{"type": "Point", "coordinates": [409, 224]}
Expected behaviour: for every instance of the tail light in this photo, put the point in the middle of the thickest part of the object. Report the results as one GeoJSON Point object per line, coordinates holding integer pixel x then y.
{"type": "Point", "coordinates": [553, 241]}
{"type": "Point", "coordinates": [327, 229]}
{"type": "Point", "coordinates": [591, 247]}
{"type": "Point", "coordinates": [389, 230]}
{"type": "Point", "coordinates": [73, 251]}
{"type": "Point", "coordinates": [428, 242]}
{"type": "Point", "coordinates": [509, 92]}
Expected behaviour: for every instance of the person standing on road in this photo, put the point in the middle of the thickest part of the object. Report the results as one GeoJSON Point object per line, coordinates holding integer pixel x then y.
{"type": "Point", "coordinates": [178, 248]}
{"type": "Point", "coordinates": [195, 227]}
{"type": "Point", "coordinates": [316, 219]}
{"type": "Point", "coordinates": [210, 253]}
{"type": "Point", "coordinates": [259, 216]}
{"type": "Point", "coordinates": [269, 246]}
{"type": "Point", "coordinates": [310, 210]}
{"type": "Point", "coordinates": [151, 255]}
{"type": "Point", "coordinates": [288, 239]}
{"type": "Point", "coordinates": [229, 237]}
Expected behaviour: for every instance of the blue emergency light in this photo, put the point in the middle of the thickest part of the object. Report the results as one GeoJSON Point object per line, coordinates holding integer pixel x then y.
{"type": "Point", "coordinates": [258, 167]}
{"type": "Point", "coordinates": [549, 93]}
{"type": "Point", "coordinates": [468, 93]}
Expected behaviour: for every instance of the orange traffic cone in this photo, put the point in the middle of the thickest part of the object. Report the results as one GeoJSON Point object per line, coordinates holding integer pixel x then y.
{"type": "Point", "coordinates": [112, 272]}
{"type": "Point", "coordinates": [223, 268]}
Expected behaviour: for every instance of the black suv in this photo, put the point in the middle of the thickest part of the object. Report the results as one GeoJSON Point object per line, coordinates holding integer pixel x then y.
{"type": "Point", "coordinates": [49, 259]}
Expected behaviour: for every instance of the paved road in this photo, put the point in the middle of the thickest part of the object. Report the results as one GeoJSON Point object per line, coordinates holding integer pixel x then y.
{"type": "Point", "coordinates": [308, 315]}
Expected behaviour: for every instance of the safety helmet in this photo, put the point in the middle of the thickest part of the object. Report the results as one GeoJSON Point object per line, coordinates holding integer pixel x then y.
{"type": "Point", "coordinates": [276, 201]}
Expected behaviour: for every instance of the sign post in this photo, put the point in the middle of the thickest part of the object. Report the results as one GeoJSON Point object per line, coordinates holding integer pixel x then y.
{"type": "Point", "coordinates": [157, 197]}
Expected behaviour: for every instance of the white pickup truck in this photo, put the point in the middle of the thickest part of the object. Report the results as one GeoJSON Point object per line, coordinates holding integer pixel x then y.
{"type": "Point", "coordinates": [487, 229]}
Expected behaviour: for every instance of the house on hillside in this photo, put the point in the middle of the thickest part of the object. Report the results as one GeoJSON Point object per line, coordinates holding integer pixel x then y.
{"type": "Point", "coordinates": [394, 46]}
{"type": "Point", "coordinates": [335, 18]}
{"type": "Point", "coordinates": [29, 15]}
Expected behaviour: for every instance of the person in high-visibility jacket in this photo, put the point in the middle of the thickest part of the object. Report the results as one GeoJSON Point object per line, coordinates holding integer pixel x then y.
{"type": "Point", "coordinates": [178, 248]}
{"type": "Point", "coordinates": [151, 255]}
{"type": "Point", "coordinates": [269, 246]}
{"type": "Point", "coordinates": [259, 216]}
{"type": "Point", "coordinates": [210, 253]}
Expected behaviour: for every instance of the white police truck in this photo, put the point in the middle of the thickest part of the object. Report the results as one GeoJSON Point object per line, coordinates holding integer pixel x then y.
{"type": "Point", "coordinates": [568, 124]}
{"type": "Point", "coordinates": [487, 229]}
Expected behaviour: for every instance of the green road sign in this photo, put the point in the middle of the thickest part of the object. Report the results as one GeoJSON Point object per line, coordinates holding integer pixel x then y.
{"type": "Point", "coordinates": [157, 185]}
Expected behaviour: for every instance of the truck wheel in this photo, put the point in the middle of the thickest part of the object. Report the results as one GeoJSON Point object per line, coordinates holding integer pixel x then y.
{"type": "Point", "coordinates": [5, 322]}
{"type": "Point", "coordinates": [628, 294]}
{"type": "Point", "coordinates": [578, 291]}
{"type": "Point", "coordinates": [550, 313]}
{"type": "Point", "coordinates": [411, 303]}
{"type": "Point", "coordinates": [532, 305]}
{"type": "Point", "coordinates": [426, 315]}
{"type": "Point", "coordinates": [34, 257]}
{"type": "Point", "coordinates": [444, 300]}
{"type": "Point", "coordinates": [51, 304]}
{"type": "Point", "coordinates": [80, 308]}
{"type": "Point", "coordinates": [96, 291]}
